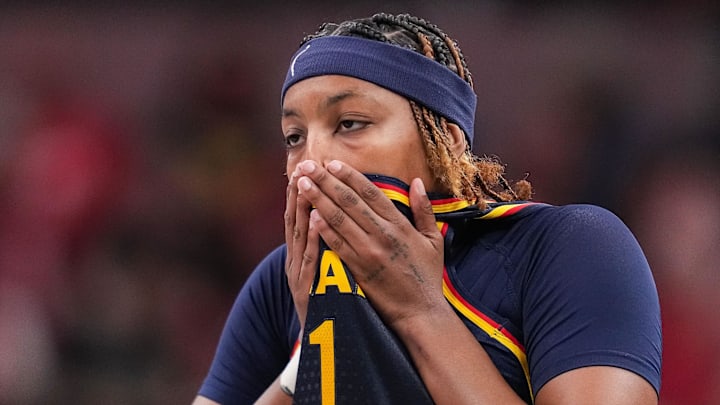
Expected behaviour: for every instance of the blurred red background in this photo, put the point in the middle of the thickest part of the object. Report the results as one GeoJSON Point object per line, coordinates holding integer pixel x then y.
{"type": "Point", "coordinates": [141, 169]}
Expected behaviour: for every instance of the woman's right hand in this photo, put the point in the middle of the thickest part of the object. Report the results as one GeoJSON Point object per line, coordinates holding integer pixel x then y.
{"type": "Point", "coordinates": [302, 248]}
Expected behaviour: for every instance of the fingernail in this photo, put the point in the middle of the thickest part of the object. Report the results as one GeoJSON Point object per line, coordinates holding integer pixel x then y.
{"type": "Point", "coordinates": [334, 166]}
{"type": "Point", "coordinates": [420, 186]}
{"type": "Point", "coordinates": [304, 184]}
{"type": "Point", "coordinates": [314, 216]}
{"type": "Point", "coordinates": [308, 166]}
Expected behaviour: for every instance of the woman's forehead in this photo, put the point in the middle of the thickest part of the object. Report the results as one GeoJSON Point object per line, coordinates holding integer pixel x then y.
{"type": "Point", "coordinates": [336, 88]}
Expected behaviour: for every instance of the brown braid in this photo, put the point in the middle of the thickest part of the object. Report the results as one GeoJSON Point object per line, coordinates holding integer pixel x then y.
{"type": "Point", "coordinates": [466, 176]}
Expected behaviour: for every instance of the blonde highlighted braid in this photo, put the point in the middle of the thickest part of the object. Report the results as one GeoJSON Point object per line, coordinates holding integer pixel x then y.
{"type": "Point", "coordinates": [468, 176]}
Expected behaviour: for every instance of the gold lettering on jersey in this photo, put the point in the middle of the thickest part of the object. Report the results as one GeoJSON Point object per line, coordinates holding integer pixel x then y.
{"type": "Point", "coordinates": [359, 291]}
{"type": "Point", "coordinates": [334, 273]}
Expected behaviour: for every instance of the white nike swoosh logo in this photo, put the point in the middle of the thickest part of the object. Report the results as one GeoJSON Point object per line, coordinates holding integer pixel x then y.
{"type": "Point", "coordinates": [292, 65]}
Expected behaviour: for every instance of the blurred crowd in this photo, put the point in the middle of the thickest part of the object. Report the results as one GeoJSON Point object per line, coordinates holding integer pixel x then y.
{"type": "Point", "coordinates": [142, 170]}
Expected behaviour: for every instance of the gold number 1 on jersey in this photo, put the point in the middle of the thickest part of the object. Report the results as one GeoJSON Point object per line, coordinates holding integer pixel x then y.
{"type": "Point", "coordinates": [324, 335]}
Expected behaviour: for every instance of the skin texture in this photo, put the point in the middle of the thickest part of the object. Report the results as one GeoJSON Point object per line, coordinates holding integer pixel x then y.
{"type": "Point", "coordinates": [337, 128]}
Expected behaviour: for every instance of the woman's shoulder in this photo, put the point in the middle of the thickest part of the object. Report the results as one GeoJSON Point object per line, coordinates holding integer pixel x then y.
{"type": "Point", "coordinates": [572, 220]}
{"type": "Point", "coordinates": [539, 211]}
{"type": "Point", "coordinates": [524, 230]}
{"type": "Point", "coordinates": [543, 218]}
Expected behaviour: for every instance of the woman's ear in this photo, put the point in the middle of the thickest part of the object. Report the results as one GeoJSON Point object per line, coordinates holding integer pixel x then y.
{"type": "Point", "coordinates": [458, 142]}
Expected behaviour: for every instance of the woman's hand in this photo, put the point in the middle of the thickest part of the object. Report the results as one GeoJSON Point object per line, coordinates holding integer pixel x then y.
{"type": "Point", "coordinates": [398, 266]}
{"type": "Point", "coordinates": [302, 248]}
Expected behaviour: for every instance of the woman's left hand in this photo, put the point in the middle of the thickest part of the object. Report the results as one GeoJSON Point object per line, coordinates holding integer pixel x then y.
{"type": "Point", "coordinates": [398, 266]}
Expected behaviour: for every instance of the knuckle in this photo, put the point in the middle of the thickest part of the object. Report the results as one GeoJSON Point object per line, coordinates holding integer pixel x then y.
{"type": "Point", "coordinates": [399, 221]}
{"type": "Point", "coordinates": [376, 255]}
{"type": "Point", "coordinates": [287, 218]}
{"type": "Point", "coordinates": [335, 243]}
{"type": "Point", "coordinates": [427, 207]}
{"type": "Point", "coordinates": [307, 259]}
{"type": "Point", "coordinates": [336, 219]}
{"type": "Point", "coordinates": [347, 197]}
{"type": "Point", "coordinates": [369, 192]}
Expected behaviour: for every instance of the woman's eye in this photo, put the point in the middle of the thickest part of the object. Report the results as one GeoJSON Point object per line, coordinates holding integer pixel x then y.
{"type": "Point", "coordinates": [351, 125]}
{"type": "Point", "coordinates": [292, 140]}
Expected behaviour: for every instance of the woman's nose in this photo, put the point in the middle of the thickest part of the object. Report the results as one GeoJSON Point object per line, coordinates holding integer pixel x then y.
{"type": "Point", "coordinates": [316, 148]}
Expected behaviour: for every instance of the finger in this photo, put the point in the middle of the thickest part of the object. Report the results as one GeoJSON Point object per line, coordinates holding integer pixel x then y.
{"type": "Point", "coordinates": [346, 193]}
{"type": "Point", "coordinates": [348, 189]}
{"type": "Point", "coordinates": [362, 187]}
{"type": "Point", "coordinates": [333, 239]}
{"type": "Point", "coordinates": [296, 222]}
{"type": "Point", "coordinates": [422, 211]}
{"type": "Point", "coordinates": [290, 207]}
{"type": "Point", "coordinates": [289, 219]}
{"type": "Point", "coordinates": [382, 220]}
{"type": "Point", "coordinates": [296, 236]}
{"type": "Point", "coordinates": [330, 220]}
{"type": "Point", "coordinates": [310, 259]}
{"type": "Point", "coordinates": [307, 267]}
{"type": "Point", "coordinates": [300, 234]}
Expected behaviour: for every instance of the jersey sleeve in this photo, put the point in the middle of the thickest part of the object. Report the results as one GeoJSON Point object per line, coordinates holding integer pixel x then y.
{"type": "Point", "coordinates": [255, 343]}
{"type": "Point", "coordinates": [590, 299]}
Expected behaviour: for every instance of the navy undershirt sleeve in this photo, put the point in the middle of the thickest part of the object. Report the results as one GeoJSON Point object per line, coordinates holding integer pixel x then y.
{"type": "Point", "coordinates": [589, 298]}
{"type": "Point", "coordinates": [255, 343]}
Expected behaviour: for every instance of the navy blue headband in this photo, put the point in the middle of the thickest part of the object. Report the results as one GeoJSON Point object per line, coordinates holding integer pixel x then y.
{"type": "Point", "coordinates": [397, 69]}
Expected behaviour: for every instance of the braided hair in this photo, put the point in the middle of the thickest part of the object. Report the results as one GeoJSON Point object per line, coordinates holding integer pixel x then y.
{"type": "Point", "coordinates": [468, 176]}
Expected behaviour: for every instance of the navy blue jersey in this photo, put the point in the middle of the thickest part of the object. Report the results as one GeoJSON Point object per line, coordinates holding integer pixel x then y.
{"type": "Point", "coordinates": [544, 289]}
{"type": "Point", "coordinates": [348, 354]}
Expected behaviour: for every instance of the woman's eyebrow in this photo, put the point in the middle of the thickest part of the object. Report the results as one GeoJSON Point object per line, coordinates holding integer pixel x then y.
{"type": "Point", "coordinates": [332, 100]}
{"type": "Point", "coordinates": [288, 112]}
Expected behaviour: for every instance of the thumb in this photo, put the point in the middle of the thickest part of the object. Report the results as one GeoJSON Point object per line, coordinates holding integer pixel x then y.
{"type": "Point", "coordinates": [422, 209]}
